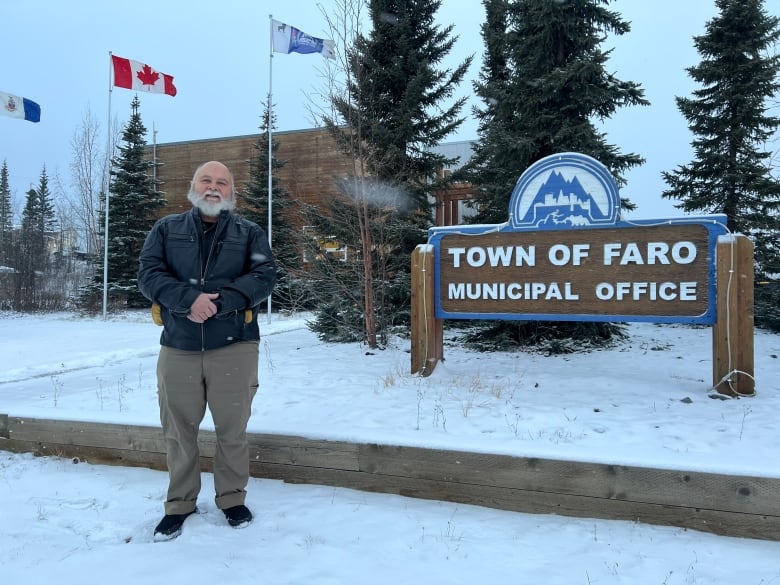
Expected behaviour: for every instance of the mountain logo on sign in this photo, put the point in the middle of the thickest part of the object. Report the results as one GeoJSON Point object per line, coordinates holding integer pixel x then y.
{"type": "Point", "coordinates": [563, 201]}
{"type": "Point", "coordinates": [564, 191]}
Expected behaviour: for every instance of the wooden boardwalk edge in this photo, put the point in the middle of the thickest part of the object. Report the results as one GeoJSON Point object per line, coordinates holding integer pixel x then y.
{"type": "Point", "coordinates": [742, 506]}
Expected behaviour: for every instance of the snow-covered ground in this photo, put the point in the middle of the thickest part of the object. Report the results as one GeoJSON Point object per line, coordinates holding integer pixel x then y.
{"type": "Point", "coordinates": [645, 402]}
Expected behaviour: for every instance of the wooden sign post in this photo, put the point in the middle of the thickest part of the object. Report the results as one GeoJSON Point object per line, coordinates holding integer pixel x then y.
{"type": "Point", "coordinates": [427, 330]}
{"type": "Point", "coordinates": [732, 333]}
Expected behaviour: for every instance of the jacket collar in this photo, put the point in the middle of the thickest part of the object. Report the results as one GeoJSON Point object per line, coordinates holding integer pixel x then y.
{"type": "Point", "coordinates": [223, 215]}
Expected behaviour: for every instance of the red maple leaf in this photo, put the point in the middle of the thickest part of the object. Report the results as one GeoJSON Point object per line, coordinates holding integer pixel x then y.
{"type": "Point", "coordinates": [148, 76]}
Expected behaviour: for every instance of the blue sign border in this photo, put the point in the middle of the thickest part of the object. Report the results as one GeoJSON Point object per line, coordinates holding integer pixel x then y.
{"type": "Point", "coordinates": [715, 225]}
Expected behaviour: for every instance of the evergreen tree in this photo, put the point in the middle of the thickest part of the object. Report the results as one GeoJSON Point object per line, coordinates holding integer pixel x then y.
{"type": "Point", "coordinates": [730, 173]}
{"type": "Point", "coordinates": [133, 203]}
{"type": "Point", "coordinates": [544, 84]}
{"type": "Point", "coordinates": [288, 293]}
{"type": "Point", "coordinates": [47, 216]}
{"type": "Point", "coordinates": [28, 256]}
{"type": "Point", "coordinates": [39, 222]}
{"type": "Point", "coordinates": [395, 108]}
{"type": "Point", "coordinates": [6, 217]}
{"type": "Point", "coordinates": [338, 254]}
{"type": "Point", "coordinates": [396, 95]}
{"type": "Point", "coordinates": [31, 256]}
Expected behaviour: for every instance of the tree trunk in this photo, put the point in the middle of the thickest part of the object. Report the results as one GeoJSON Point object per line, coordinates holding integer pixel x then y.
{"type": "Point", "coordinates": [368, 277]}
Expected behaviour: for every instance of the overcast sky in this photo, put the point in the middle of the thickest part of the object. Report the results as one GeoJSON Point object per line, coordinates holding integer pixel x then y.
{"type": "Point", "coordinates": [57, 55]}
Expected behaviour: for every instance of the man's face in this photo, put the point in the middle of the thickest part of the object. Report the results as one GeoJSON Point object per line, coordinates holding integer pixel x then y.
{"type": "Point", "coordinates": [212, 190]}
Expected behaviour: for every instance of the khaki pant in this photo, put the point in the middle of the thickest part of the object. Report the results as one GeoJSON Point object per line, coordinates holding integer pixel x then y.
{"type": "Point", "coordinates": [225, 380]}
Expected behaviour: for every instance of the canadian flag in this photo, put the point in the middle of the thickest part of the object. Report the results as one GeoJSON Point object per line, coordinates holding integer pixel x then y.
{"type": "Point", "coordinates": [139, 76]}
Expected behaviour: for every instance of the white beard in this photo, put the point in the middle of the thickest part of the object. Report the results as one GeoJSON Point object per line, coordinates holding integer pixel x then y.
{"type": "Point", "coordinates": [210, 209]}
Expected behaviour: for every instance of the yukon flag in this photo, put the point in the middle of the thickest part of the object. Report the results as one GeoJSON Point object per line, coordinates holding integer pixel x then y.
{"type": "Point", "coordinates": [130, 74]}
{"type": "Point", "coordinates": [19, 107]}
{"type": "Point", "coordinates": [288, 39]}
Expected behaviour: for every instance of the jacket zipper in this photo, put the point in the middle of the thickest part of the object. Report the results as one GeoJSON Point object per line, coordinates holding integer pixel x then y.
{"type": "Point", "coordinates": [203, 271]}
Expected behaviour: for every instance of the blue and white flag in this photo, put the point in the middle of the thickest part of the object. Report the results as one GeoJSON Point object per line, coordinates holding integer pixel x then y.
{"type": "Point", "coordinates": [288, 39]}
{"type": "Point", "coordinates": [19, 107]}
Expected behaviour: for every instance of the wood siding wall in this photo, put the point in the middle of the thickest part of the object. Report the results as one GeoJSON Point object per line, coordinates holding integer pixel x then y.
{"type": "Point", "coordinates": [312, 160]}
{"type": "Point", "coordinates": [312, 163]}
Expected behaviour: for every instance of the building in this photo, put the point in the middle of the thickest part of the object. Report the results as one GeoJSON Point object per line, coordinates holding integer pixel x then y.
{"type": "Point", "coordinates": [451, 208]}
{"type": "Point", "coordinates": [312, 163]}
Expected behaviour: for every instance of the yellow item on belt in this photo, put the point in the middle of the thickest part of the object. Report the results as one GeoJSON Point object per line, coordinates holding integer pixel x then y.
{"type": "Point", "coordinates": [157, 315]}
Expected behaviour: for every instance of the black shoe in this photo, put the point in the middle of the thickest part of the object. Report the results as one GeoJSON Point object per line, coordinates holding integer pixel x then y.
{"type": "Point", "coordinates": [238, 516]}
{"type": "Point", "coordinates": [170, 526]}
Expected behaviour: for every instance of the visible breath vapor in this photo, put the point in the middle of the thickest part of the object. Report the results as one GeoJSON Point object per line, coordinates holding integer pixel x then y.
{"type": "Point", "coordinates": [375, 193]}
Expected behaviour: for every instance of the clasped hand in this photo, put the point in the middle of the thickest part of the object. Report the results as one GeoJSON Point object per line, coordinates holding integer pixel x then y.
{"type": "Point", "coordinates": [203, 308]}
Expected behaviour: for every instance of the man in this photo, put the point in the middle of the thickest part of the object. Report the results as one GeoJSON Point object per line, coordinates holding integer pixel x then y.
{"type": "Point", "coordinates": [207, 270]}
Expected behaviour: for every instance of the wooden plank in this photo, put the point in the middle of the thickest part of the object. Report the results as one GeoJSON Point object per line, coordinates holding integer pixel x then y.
{"type": "Point", "coordinates": [766, 527]}
{"type": "Point", "coordinates": [95, 455]}
{"type": "Point", "coordinates": [303, 452]}
{"type": "Point", "coordinates": [120, 437]}
{"type": "Point", "coordinates": [316, 454]}
{"type": "Point", "coordinates": [273, 448]}
{"type": "Point", "coordinates": [742, 494]}
{"type": "Point", "coordinates": [723, 504]}
{"type": "Point", "coordinates": [726, 523]}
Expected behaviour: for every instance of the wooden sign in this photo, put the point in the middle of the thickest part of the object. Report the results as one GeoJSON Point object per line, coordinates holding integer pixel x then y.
{"type": "Point", "coordinates": [565, 255]}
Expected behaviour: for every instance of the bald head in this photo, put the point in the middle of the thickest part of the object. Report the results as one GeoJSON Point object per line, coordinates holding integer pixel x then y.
{"type": "Point", "coordinates": [212, 189]}
{"type": "Point", "coordinates": [213, 168]}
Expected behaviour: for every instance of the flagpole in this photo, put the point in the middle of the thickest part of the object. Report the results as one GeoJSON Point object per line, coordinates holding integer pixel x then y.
{"type": "Point", "coordinates": [107, 179]}
{"type": "Point", "coordinates": [154, 156]}
{"type": "Point", "coordinates": [270, 118]}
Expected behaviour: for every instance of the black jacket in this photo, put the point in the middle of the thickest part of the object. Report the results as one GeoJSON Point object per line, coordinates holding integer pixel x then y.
{"type": "Point", "coordinates": [175, 269]}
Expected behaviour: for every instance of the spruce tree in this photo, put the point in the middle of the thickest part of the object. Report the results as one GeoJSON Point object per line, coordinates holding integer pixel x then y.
{"type": "Point", "coordinates": [47, 216]}
{"type": "Point", "coordinates": [544, 85]}
{"type": "Point", "coordinates": [39, 222]}
{"type": "Point", "coordinates": [397, 95]}
{"type": "Point", "coordinates": [288, 293]}
{"type": "Point", "coordinates": [31, 256]}
{"type": "Point", "coordinates": [396, 107]}
{"type": "Point", "coordinates": [728, 116]}
{"type": "Point", "coordinates": [133, 204]}
{"type": "Point", "coordinates": [6, 217]}
{"type": "Point", "coordinates": [28, 256]}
